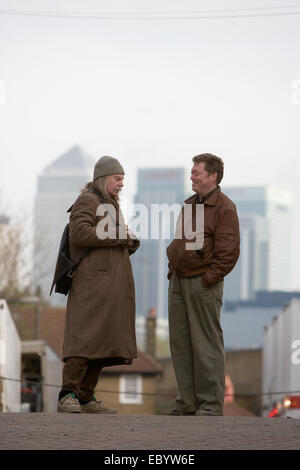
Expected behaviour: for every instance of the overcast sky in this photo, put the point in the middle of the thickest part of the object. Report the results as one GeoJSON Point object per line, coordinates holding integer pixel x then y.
{"type": "Point", "coordinates": [152, 92]}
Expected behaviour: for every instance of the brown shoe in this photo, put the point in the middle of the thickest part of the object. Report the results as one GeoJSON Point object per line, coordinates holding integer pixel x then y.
{"type": "Point", "coordinates": [95, 406]}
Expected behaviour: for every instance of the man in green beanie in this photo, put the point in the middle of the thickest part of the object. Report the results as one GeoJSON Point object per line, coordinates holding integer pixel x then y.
{"type": "Point", "coordinates": [100, 317]}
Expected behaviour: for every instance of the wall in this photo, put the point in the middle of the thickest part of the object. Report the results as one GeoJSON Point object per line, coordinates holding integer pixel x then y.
{"type": "Point", "coordinates": [245, 370]}
{"type": "Point", "coordinates": [243, 367]}
{"type": "Point", "coordinates": [109, 383]}
{"type": "Point", "coordinates": [166, 385]}
{"type": "Point", "coordinates": [10, 361]}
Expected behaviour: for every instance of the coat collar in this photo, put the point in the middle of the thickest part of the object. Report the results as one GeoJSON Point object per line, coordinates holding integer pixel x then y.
{"type": "Point", "coordinates": [210, 201]}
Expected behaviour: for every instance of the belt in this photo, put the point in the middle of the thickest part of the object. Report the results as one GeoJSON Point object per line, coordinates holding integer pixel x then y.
{"type": "Point", "coordinates": [196, 276]}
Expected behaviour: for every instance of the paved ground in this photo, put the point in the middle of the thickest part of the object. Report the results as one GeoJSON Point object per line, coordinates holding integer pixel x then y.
{"type": "Point", "coordinates": [42, 431]}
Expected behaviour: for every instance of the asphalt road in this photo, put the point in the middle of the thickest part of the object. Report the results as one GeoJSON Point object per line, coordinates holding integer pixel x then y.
{"type": "Point", "coordinates": [42, 431]}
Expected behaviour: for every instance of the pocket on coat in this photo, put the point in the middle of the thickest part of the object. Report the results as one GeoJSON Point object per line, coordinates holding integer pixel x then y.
{"type": "Point", "coordinates": [99, 260]}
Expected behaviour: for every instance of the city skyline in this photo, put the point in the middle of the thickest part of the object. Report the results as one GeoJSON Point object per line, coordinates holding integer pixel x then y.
{"type": "Point", "coordinates": [260, 211]}
{"type": "Point", "coordinates": [67, 166]}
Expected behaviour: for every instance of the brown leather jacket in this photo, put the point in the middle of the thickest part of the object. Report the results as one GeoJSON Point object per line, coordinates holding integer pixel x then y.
{"type": "Point", "coordinates": [221, 247]}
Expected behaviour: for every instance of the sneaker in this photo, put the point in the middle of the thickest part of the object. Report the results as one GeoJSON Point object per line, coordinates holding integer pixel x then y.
{"type": "Point", "coordinates": [68, 404]}
{"type": "Point", "coordinates": [95, 406]}
{"type": "Point", "coordinates": [178, 413]}
{"type": "Point", "coordinates": [207, 413]}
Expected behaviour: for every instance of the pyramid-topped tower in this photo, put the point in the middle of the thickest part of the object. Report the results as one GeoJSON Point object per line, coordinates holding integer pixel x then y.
{"type": "Point", "coordinates": [74, 160]}
{"type": "Point", "coordinates": [59, 185]}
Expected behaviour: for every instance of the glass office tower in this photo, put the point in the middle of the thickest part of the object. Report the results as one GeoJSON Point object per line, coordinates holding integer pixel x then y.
{"type": "Point", "coordinates": [265, 226]}
{"type": "Point", "coordinates": [156, 186]}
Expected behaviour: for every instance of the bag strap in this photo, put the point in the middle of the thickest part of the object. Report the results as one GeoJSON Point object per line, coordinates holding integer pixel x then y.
{"type": "Point", "coordinates": [87, 252]}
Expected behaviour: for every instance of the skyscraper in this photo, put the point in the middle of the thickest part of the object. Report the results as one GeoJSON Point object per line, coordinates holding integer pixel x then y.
{"type": "Point", "coordinates": [150, 265]}
{"type": "Point", "coordinates": [265, 226]}
{"type": "Point", "coordinates": [58, 187]}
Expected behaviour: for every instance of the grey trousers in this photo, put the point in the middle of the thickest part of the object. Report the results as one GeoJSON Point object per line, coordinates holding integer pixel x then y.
{"type": "Point", "coordinates": [196, 344]}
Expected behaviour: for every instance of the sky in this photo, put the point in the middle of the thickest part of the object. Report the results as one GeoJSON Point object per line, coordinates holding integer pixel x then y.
{"type": "Point", "coordinates": [152, 92]}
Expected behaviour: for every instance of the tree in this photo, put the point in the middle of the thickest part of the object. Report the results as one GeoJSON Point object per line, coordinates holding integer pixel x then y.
{"type": "Point", "coordinates": [19, 245]}
{"type": "Point", "coordinates": [14, 270]}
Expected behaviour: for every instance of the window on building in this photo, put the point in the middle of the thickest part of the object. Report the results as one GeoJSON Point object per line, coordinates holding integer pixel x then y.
{"type": "Point", "coordinates": [130, 389]}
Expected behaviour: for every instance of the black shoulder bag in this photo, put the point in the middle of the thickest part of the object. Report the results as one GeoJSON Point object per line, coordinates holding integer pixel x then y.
{"type": "Point", "coordinates": [65, 268]}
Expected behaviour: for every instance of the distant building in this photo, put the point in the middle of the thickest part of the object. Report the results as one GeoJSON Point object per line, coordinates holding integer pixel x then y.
{"type": "Point", "coordinates": [58, 187]}
{"type": "Point", "coordinates": [265, 226]}
{"type": "Point", "coordinates": [10, 361]}
{"type": "Point", "coordinates": [41, 377]}
{"type": "Point", "coordinates": [51, 324]}
{"type": "Point", "coordinates": [245, 367]}
{"type": "Point", "coordinates": [150, 264]}
{"type": "Point", "coordinates": [161, 334]}
{"type": "Point", "coordinates": [244, 381]}
{"type": "Point", "coordinates": [281, 363]}
{"type": "Point", "coordinates": [243, 328]}
{"type": "Point", "coordinates": [4, 220]}
{"type": "Point", "coordinates": [243, 322]}
{"type": "Point", "coordinates": [130, 388]}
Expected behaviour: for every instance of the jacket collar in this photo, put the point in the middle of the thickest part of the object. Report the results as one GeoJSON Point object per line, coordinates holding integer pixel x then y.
{"type": "Point", "coordinates": [210, 201]}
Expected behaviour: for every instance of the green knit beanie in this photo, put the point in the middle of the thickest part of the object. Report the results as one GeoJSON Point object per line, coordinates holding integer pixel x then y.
{"type": "Point", "coordinates": [108, 166]}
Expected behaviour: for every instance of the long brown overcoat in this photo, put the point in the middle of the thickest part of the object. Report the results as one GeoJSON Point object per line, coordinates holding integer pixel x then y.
{"type": "Point", "coordinates": [100, 317]}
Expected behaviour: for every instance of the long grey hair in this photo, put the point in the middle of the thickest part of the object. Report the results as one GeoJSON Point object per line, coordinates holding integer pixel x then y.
{"type": "Point", "coordinates": [100, 185]}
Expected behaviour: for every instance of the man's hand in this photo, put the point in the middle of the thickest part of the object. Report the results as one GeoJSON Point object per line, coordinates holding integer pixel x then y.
{"type": "Point", "coordinates": [130, 234]}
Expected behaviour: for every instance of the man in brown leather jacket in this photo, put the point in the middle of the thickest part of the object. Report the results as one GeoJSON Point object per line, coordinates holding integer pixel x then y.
{"type": "Point", "coordinates": [196, 291]}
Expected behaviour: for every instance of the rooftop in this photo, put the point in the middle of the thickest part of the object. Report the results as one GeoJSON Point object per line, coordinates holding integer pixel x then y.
{"type": "Point", "coordinates": [144, 364]}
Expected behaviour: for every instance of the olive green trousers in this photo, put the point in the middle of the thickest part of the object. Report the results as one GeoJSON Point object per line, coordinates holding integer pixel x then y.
{"type": "Point", "coordinates": [196, 344]}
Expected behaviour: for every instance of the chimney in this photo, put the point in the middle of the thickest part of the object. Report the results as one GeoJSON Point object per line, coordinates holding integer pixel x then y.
{"type": "Point", "coordinates": [151, 333]}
